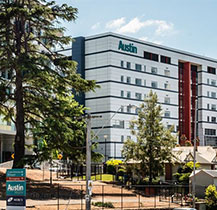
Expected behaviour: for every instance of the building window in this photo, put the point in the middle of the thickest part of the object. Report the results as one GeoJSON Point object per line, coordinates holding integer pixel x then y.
{"type": "Point", "coordinates": [213, 119]}
{"type": "Point", "coordinates": [154, 84]}
{"type": "Point", "coordinates": [122, 64]}
{"type": "Point", "coordinates": [166, 86]}
{"type": "Point", "coordinates": [128, 109]}
{"type": "Point", "coordinates": [213, 107]}
{"type": "Point", "coordinates": [122, 109]}
{"type": "Point", "coordinates": [144, 68]}
{"type": "Point", "coordinates": [207, 118]}
{"type": "Point", "coordinates": [207, 93]}
{"type": "Point", "coordinates": [122, 93]}
{"type": "Point", "coordinates": [207, 106]}
{"type": "Point", "coordinates": [151, 56]}
{"type": "Point", "coordinates": [128, 80]}
{"type": "Point", "coordinates": [128, 65]}
{"type": "Point", "coordinates": [167, 100]}
{"type": "Point", "coordinates": [118, 123]}
{"type": "Point", "coordinates": [138, 81]}
{"type": "Point", "coordinates": [137, 110]}
{"type": "Point", "coordinates": [122, 78]}
{"type": "Point", "coordinates": [122, 138]}
{"type": "Point", "coordinates": [167, 72]}
{"type": "Point", "coordinates": [213, 94]}
{"type": "Point", "coordinates": [167, 114]}
{"type": "Point", "coordinates": [210, 132]}
{"type": "Point", "coordinates": [165, 59]}
{"type": "Point", "coordinates": [213, 82]}
{"type": "Point", "coordinates": [128, 94]}
{"type": "Point", "coordinates": [208, 81]}
{"type": "Point", "coordinates": [211, 70]}
{"type": "Point", "coordinates": [138, 67]}
{"type": "Point", "coordinates": [138, 96]}
{"type": "Point", "coordinates": [153, 70]}
{"type": "Point", "coordinates": [144, 82]}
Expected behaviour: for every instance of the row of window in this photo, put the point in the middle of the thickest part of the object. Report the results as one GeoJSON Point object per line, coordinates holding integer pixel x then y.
{"type": "Point", "coordinates": [211, 119]}
{"type": "Point", "coordinates": [211, 82]}
{"type": "Point", "coordinates": [139, 67]}
{"type": "Point", "coordinates": [155, 57]}
{"type": "Point", "coordinates": [210, 132]}
{"type": "Point", "coordinates": [211, 70]}
{"type": "Point", "coordinates": [211, 106]}
{"type": "Point", "coordinates": [211, 94]}
{"type": "Point", "coordinates": [138, 81]}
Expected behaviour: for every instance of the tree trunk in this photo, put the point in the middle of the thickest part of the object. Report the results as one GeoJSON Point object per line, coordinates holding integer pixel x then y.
{"type": "Point", "coordinates": [19, 146]}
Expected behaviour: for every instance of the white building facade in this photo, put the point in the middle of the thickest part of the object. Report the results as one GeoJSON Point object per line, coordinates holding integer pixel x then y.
{"type": "Point", "coordinates": [127, 69]}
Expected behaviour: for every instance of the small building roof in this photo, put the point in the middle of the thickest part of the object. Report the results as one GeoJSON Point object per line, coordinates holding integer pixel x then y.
{"type": "Point", "coordinates": [212, 173]}
{"type": "Point", "coordinates": [204, 154]}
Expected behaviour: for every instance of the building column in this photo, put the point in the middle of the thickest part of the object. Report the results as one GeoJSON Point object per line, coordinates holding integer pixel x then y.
{"type": "Point", "coordinates": [187, 100]}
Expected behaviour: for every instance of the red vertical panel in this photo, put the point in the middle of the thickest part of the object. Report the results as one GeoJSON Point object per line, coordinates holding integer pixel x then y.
{"type": "Point", "coordinates": [187, 100]}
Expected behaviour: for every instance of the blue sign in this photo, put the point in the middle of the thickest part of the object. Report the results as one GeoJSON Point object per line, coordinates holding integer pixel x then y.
{"type": "Point", "coordinates": [17, 172]}
{"type": "Point", "coordinates": [16, 188]}
{"type": "Point", "coordinates": [16, 201]}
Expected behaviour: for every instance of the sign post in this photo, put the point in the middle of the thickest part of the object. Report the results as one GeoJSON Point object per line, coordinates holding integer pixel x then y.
{"type": "Point", "coordinates": [16, 189]}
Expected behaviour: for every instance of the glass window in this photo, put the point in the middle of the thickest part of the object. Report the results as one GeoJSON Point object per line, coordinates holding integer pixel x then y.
{"type": "Point", "coordinates": [207, 118]}
{"type": "Point", "coordinates": [153, 70]}
{"type": "Point", "coordinates": [128, 65]}
{"type": "Point", "coordinates": [128, 94]}
{"type": "Point", "coordinates": [213, 82]}
{"type": "Point", "coordinates": [213, 119]}
{"type": "Point", "coordinates": [208, 93]}
{"type": "Point", "coordinates": [128, 80]}
{"type": "Point", "coordinates": [138, 96]}
{"type": "Point", "coordinates": [144, 68]}
{"type": "Point", "coordinates": [138, 67]}
{"type": "Point", "coordinates": [122, 93]}
{"type": "Point", "coordinates": [138, 81]}
{"type": "Point", "coordinates": [154, 84]}
{"type": "Point", "coordinates": [128, 109]}
{"type": "Point", "coordinates": [122, 109]}
{"type": "Point", "coordinates": [166, 86]}
{"type": "Point", "coordinates": [137, 110]}
{"type": "Point", "coordinates": [213, 94]}
{"type": "Point", "coordinates": [167, 100]}
{"type": "Point", "coordinates": [122, 63]}
{"type": "Point", "coordinates": [208, 81]}
{"type": "Point", "coordinates": [165, 59]}
{"type": "Point", "coordinates": [211, 70]}
{"type": "Point", "coordinates": [210, 132]}
{"type": "Point", "coordinates": [118, 123]}
{"type": "Point", "coordinates": [122, 78]}
{"type": "Point", "coordinates": [144, 82]}
{"type": "Point", "coordinates": [167, 72]}
{"type": "Point", "coordinates": [213, 107]}
{"type": "Point", "coordinates": [122, 138]}
{"type": "Point", "coordinates": [167, 114]}
{"type": "Point", "coordinates": [207, 106]}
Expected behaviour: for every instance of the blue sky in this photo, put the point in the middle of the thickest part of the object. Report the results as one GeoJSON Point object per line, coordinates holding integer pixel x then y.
{"type": "Point", "coordinates": [189, 25]}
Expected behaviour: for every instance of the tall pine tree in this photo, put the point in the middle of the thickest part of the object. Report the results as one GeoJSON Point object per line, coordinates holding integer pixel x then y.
{"type": "Point", "coordinates": [38, 77]}
{"type": "Point", "coordinates": [154, 142]}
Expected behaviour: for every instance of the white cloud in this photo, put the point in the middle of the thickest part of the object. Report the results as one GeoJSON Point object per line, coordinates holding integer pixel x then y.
{"type": "Point", "coordinates": [145, 38]}
{"type": "Point", "coordinates": [161, 27]}
{"type": "Point", "coordinates": [95, 26]}
{"type": "Point", "coordinates": [132, 27]}
{"type": "Point", "coordinates": [115, 23]}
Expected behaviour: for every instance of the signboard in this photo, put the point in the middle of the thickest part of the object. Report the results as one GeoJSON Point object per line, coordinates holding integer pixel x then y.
{"type": "Point", "coordinates": [127, 47]}
{"type": "Point", "coordinates": [16, 189]}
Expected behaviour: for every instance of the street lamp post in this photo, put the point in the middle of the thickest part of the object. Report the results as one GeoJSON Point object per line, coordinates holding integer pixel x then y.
{"type": "Point", "coordinates": [105, 137]}
{"type": "Point", "coordinates": [195, 142]}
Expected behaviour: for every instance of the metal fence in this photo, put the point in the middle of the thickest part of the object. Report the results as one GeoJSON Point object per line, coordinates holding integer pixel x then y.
{"type": "Point", "coordinates": [65, 196]}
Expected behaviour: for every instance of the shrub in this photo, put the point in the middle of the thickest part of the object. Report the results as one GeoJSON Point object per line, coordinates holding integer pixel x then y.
{"type": "Point", "coordinates": [211, 197]}
{"type": "Point", "coordinates": [112, 164]}
{"type": "Point", "coordinates": [105, 204]}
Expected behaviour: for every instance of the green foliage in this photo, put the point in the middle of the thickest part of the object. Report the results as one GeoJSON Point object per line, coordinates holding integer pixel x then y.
{"type": "Point", "coordinates": [185, 171]}
{"type": "Point", "coordinates": [105, 204]}
{"type": "Point", "coordinates": [112, 165]}
{"type": "Point", "coordinates": [211, 197]}
{"type": "Point", "coordinates": [37, 93]}
{"type": "Point", "coordinates": [154, 143]}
